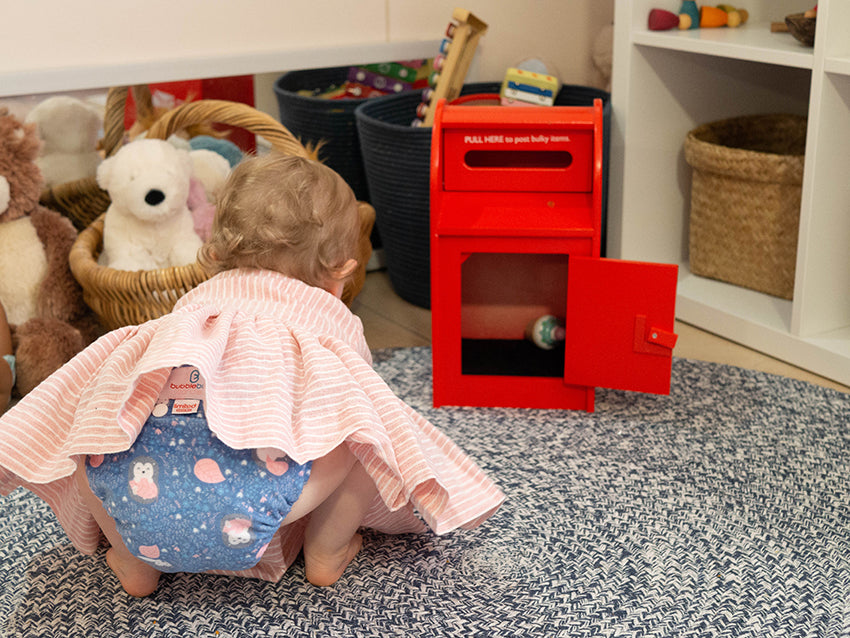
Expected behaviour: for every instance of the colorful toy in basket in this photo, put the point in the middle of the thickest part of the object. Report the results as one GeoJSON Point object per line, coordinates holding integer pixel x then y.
{"type": "Point", "coordinates": [209, 172]}
{"type": "Point", "coordinates": [527, 88]}
{"type": "Point", "coordinates": [148, 224]}
{"type": "Point", "coordinates": [227, 149]}
{"type": "Point", "coordinates": [375, 80]}
{"type": "Point", "coordinates": [384, 83]}
{"type": "Point", "coordinates": [451, 64]}
{"type": "Point", "coordinates": [44, 304]}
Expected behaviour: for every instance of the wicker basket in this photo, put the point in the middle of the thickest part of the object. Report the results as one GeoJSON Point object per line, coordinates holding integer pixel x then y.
{"type": "Point", "coordinates": [121, 298]}
{"type": "Point", "coordinates": [745, 200]}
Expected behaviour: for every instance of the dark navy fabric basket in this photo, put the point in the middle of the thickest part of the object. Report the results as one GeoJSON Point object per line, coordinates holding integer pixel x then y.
{"type": "Point", "coordinates": [331, 122]}
{"type": "Point", "coordinates": [397, 162]}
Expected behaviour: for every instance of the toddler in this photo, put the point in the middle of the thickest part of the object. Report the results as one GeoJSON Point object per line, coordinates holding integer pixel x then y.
{"type": "Point", "coordinates": [247, 425]}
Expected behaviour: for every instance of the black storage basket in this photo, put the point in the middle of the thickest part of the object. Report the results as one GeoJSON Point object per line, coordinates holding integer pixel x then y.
{"type": "Point", "coordinates": [397, 161]}
{"type": "Point", "coordinates": [331, 122]}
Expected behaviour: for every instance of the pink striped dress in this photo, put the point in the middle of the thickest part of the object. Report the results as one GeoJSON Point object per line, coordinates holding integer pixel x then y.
{"type": "Point", "coordinates": [287, 367]}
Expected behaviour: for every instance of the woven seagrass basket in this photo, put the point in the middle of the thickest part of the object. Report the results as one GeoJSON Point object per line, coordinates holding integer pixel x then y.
{"type": "Point", "coordinates": [121, 298]}
{"type": "Point", "coordinates": [745, 200]}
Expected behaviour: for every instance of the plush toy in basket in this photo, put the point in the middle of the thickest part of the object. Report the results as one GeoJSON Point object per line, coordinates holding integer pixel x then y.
{"type": "Point", "coordinates": [148, 224]}
{"type": "Point", "coordinates": [49, 320]}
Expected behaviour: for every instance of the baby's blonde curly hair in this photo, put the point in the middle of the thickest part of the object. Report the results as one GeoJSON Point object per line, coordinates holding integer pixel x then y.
{"type": "Point", "coordinates": [284, 213]}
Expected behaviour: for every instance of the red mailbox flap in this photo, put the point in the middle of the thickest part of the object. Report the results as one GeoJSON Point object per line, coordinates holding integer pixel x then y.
{"type": "Point", "coordinates": [552, 149]}
{"type": "Point", "coordinates": [619, 324]}
{"type": "Point", "coordinates": [506, 159]}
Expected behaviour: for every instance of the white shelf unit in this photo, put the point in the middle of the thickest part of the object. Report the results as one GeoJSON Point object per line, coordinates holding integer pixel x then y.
{"type": "Point", "coordinates": [666, 83]}
{"type": "Point", "coordinates": [20, 81]}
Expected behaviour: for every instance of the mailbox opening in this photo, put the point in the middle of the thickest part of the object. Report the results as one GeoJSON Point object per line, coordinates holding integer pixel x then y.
{"type": "Point", "coordinates": [502, 294]}
{"type": "Point", "coordinates": [489, 158]}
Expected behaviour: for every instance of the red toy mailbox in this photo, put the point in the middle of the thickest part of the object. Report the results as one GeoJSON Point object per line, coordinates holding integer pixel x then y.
{"type": "Point", "coordinates": [516, 196]}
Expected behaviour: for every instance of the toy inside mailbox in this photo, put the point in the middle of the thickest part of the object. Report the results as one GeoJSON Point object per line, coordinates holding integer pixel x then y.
{"type": "Point", "coordinates": [516, 196]}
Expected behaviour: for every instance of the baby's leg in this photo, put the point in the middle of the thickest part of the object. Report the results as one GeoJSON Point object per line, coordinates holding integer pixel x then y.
{"type": "Point", "coordinates": [137, 577]}
{"type": "Point", "coordinates": [337, 495]}
{"type": "Point", "coordinates": [331, 540]}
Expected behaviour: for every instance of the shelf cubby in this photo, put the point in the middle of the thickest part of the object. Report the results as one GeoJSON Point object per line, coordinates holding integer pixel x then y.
{"type": "Point", "coordinates": [668, 82]}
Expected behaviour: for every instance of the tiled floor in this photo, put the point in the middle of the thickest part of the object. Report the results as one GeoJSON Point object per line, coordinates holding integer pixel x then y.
{"type": "Point", "coordinates": [389, 322]}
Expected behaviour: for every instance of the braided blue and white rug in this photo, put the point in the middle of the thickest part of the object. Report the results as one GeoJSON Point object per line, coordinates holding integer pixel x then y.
{"type": "Point", "coordinates": [720, 510]}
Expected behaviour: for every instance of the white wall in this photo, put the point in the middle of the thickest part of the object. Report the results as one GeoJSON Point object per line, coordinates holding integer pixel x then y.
{"type": "Point", "coordinates": [560, 32]}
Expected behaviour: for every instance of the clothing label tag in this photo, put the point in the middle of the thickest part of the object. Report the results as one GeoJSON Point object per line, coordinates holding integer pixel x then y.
{"type": "Point", "coordinates": [185, 406]}
{"type": "Point", "coordinates": [184, 383]}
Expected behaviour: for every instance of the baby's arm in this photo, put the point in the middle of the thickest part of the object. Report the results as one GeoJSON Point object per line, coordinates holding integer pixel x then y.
{"type": "Point", "coordinates": [7, 379]}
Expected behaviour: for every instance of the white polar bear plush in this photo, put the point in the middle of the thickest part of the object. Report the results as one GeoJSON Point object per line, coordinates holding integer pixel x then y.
{"type": "Point", "coordinates": [148, 225]}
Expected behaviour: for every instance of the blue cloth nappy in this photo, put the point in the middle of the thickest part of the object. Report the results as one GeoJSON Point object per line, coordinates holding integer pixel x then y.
{"type": "Point", "coordinates": [182, 500]}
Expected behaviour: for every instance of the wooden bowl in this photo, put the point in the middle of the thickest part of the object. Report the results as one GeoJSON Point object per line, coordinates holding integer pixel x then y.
{"type": "Point", "coordinates": [802, 28]}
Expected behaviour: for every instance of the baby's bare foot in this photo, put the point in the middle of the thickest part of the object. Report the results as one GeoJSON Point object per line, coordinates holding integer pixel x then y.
{"type": "Point", "coordinates": [137, 578]}
{"type": "Point", "coordinates": [325, 570]}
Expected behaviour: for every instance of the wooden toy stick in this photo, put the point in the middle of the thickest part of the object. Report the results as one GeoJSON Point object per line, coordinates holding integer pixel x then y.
{"type": "Point", "coordinates": [464, 40]}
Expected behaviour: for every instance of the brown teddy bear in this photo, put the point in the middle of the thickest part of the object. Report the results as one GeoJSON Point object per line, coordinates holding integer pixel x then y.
{"type": "Point", "coordinates": [44, 304]}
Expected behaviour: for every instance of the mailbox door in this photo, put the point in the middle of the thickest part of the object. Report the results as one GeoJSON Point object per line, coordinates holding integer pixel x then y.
{"type": "Point", "coordinates": [619, 324]}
